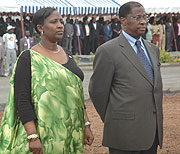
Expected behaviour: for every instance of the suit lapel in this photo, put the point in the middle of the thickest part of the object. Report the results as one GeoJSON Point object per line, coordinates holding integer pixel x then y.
{"type": "Point", "coordinates": [130, 54]}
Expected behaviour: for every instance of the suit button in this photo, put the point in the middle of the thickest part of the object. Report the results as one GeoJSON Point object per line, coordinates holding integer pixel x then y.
{"type": "Point", "coordinates": [154, 112]}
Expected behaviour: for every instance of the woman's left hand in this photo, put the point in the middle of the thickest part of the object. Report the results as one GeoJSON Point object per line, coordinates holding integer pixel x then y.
{"type": "Point", "coordinates": [88, 136]}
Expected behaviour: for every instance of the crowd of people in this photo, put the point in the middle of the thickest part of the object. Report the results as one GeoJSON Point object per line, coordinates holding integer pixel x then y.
{"type": "Point", "coordinates": [160, 32]}
{"type": "Point", "coordinates": [82, 34]}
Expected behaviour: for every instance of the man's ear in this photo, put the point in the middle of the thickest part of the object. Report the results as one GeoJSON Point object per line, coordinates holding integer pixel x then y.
{"type": "Point", "coordinates": [123, 21]}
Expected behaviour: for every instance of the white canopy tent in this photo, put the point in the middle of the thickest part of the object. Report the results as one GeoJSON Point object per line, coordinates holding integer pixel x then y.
{"type": "Point", "coordinates": [157, 6]}
{"type": "Point", "coordinates": [9, 6]}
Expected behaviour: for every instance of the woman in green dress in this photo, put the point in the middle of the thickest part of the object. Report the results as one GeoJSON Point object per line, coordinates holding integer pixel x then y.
{"type": "Point", "coordinates": [45, 111]}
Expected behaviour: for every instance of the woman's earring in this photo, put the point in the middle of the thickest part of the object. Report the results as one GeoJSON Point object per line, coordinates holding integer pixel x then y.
{"type": "Point", "coordinates": [42, 32]}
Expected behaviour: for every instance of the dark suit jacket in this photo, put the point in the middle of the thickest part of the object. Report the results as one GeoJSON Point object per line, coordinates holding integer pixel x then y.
{"type": "Point", "coordinates": [125, 98]}
{"type": "Point", "coordinates": [107, 32]}
{"type": "Point", "coordinates": [81, 31]}
{"type": "Point", "coordinates": [94, 33]}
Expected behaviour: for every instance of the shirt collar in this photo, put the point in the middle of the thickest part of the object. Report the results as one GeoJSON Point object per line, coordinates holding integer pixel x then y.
{"type": "Point", "coordinates": [131, 39]}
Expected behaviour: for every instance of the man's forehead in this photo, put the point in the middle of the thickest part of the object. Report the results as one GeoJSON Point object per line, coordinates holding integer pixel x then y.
{"type": "Point", "coordinates": [138, 10]}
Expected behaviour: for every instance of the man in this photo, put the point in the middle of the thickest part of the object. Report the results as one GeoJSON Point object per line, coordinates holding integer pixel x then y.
{"type": "Point", "coordinates": [94, 34]}
{"type": "Point", "coordinates": [68, 34]}
{"type": "Point", "coordinates": [26, 42]}
{"type": "Point", "coordinates": [162, 35]}
{"type": "Point", "coordinates": [86, 42]}
{"type": "Point", "coordinates": [107, 30]}
{"type": "Point", "coordinates": [116, 27]}
{"type": "Point", "coordinates": [126, 87]}
{"type": "Point", "coordinates": [10, 41]}
{"type": "Point", "coordinates": [36, 38]}
{"type": "Point", "coordinates": [169, 35]}
{"type": "Point", "coordinates": [2, 52]}
{"type": "Point", "coordinates": [78, 37]}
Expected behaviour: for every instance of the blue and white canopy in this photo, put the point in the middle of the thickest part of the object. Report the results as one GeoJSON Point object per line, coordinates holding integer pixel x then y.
{"type": "Point", "coordinates": [71, 6]}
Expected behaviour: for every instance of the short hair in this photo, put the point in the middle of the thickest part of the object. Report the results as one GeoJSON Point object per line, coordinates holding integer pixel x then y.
{"type": "Point", "coordinates": [151, 20]}
{"type": "Point", "coordinates": [126, 8]}
{"type": "Point", "coordinates": [41, 15]}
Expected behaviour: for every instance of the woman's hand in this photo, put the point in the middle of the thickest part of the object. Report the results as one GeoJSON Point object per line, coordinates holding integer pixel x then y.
{"type": "Point", "coordinates": [88, 136]}
{"type": "Point", "coordinates": [36, 147]}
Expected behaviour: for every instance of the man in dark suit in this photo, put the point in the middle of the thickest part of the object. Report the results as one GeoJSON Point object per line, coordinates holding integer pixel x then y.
{"type": "Point", "coordinates": [94, 34]}
{"type": "Point", "coordinates": [78, 37]}
{"type": "Point", "coordinates": [126, 87]}
{"type": "Point", "coordinates": [169, 35]}
{"type": "Point", "coordinates": [86, 42]}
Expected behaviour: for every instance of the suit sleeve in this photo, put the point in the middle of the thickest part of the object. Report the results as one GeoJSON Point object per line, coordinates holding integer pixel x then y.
{"type": "Point", "coordinates": [100, 82]}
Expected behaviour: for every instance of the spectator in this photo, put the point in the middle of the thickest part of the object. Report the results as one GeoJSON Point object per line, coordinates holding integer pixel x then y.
{"type": "Point", "coordinates": [169, 35]}
{"type": "Point", "coordinates": [155, 33]}
{"type": "Point", "coordinates": [26, 42]}
{"type": "Point", "coordinates": [162, 35]}
{"type": "Point", "coordinates": [68, 34]}
{"type": "Point", "coordinates": [36, 38]}
{"type": "Point", "coordinates": [94, 35]}
{"type": "Point", "coordinates": [78, 36]}
{"type": "Point", "coordinates": [1, 25]}
{"type": "Point", "coordinates": [2, 54]}
{"type": "Point", "coordinates": [177, 33]}
{"type": "Point", "coordinates": [86, 43]}
{"type": "Point", "coordinates": [116, 27]}
{"type": "Point", "coordinates": [107, 31]}
{"type": "Point", "coordinates": [149, 30]}
{"type": "Point", "coordinates": [10, 41]}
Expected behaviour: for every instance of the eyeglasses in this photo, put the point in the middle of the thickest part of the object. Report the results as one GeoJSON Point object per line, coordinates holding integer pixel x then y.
{"type": "Point", "coordinates": [139, 18]}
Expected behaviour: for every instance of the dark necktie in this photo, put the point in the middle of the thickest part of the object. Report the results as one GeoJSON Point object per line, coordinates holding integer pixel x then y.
{"type": "Point", "coordinates": [144, 60]}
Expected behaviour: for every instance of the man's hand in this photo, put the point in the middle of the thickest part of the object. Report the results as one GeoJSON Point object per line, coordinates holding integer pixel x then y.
{"type": "Point", "coordinates": [36, 147]}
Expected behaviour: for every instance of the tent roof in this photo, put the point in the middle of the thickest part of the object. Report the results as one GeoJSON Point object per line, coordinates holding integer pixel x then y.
{"type": "Point", "coordinates": [71, 6]}
{"type": "Point", "coordinates": [9, 6]}
{"type": "Point", "coordinates": [157, 6]}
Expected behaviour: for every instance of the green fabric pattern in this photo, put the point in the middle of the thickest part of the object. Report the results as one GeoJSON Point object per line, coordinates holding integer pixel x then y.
{"type": "Point", "coordinates": [58, 99]}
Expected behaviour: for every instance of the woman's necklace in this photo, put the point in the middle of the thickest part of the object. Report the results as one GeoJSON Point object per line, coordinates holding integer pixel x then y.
{"type": "Point", "coordinates": [58, 50]}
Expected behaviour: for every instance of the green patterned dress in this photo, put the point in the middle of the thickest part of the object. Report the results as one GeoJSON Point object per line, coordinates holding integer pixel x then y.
{"type": "Point", "coordinates": [58, 100]}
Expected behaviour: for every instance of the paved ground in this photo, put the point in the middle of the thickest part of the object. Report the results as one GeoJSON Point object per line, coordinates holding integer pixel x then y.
{"type": "Point", "coordinates": [170, 76]}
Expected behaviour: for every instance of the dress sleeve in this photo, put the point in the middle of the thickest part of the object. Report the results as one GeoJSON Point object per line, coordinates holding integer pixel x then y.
{"type": "Point", "coordinates": [22, 89]}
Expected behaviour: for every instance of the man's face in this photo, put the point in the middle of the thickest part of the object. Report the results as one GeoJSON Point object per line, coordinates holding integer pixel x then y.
{"type": "Point", "coordinates": [11, 31]}
{"type": "Point", "coordinates": [27, 33]}
{"type": "Point", "coordinates": [135, 23]}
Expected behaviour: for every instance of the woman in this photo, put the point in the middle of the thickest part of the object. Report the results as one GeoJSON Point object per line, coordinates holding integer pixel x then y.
{"type": "Point", "coordinates": [155, 33]}
{"type": "Point", "coordinates": [149, 30]}
{"type": "Point", "coordinates": [48, 112]}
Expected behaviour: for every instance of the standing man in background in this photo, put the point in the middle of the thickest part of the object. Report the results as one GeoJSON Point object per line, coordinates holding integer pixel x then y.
{"type": "Point", "coordinates": [126, 87]}
{"type": "Point", "coordinates": [94, 34]}
{"type": "Point", "coordinates": [10, 41]}
{"type": "Point", "coordinates": [68, 34]}
{"type": "Point", "coordinates": [162, 35]}
{"type": "Point", "coordinates": [116, 27]}
{"type": "Point", "coordinates": [26, 42]}
{"type": "Point", "coordinates": [169, 34]}
{"type": "Point", "coordinates": [2, 53]}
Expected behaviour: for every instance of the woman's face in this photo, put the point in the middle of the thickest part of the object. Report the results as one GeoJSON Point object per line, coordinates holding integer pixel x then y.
{"type": "Point", "coordinates": [53, 28]}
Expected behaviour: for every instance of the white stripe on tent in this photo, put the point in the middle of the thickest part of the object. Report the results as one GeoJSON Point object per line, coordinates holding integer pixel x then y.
{"type": "Point", "coordinates": [71, 6]}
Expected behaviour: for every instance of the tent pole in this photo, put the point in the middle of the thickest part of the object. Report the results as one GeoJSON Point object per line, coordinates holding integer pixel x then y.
{"type": "Point", "coordinates": [22, 25]}
{"type": "Point", "coordinates": [175, 44]}
{"type": "Point", "coordinates": [79, 45]}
